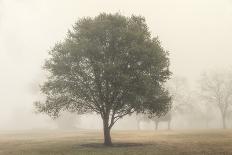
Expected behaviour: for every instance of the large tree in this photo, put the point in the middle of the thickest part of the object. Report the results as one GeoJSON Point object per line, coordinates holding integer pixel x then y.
{"type": "Point", "coordinates": [109, 65]}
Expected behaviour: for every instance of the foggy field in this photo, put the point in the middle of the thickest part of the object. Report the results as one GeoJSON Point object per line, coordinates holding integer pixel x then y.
{"type": "Point", "coordinates": [126, 142]}
{"type": "Point", "coordinates": [118, 77]}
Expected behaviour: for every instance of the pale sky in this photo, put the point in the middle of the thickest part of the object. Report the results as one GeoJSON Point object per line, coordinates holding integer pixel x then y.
{"type": "Point", "coordinates": [198, 34]}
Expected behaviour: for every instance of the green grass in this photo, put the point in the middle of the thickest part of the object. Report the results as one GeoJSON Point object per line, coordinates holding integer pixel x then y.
{"type": "Point", "coordinates": [204, 142]}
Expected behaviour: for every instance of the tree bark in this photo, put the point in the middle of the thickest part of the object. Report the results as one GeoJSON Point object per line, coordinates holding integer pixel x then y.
{"type": "Point", "coordinates": [224, 121]}
{"type": "Point", "coordinates": [106, 128]}
{"type": "Point", "coordinates": [169, 125]}
{"type": "Point", "coordinates": [156, 125]}
{"type": "Point", "coordinates": [138, 125]}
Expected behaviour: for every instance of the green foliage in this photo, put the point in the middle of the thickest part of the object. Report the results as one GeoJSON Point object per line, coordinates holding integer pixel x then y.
{"type": "Point", "coordinates": [109, 65]}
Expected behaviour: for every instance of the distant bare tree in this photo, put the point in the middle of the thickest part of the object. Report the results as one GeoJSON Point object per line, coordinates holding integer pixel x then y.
{"type": "Point", "coordinates": [140, 118]}
{"type": "Point", "coordinates": [207, 116]}
{"type": "Point", "coordinates": [181, 94]}
{"type": "Point", "coordinates": [156, 119]}
{"type": "Point", "coordinates": [67, 121]}
{"type": "Point", "coordinates": [216, 88]}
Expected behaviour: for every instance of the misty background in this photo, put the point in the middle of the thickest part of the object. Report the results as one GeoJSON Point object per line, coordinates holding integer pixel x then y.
{"type": "Point", "coordinates": [197, 33]}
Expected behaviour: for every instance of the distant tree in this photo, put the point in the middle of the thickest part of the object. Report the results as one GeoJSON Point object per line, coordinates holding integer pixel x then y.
{"type": "Point", "coordinates": [109, 65]}
{"type": "Point", "coordinates": [181, 95]}
{"type": "Point", "coordinates": [181, 102]}
{"type": "Point", "coordinates": [206, 114]}
{"type": "Point", "coordinates": [155, 119]}
{"type": "Point", "coordinates": [166, 118]}
{"type": "Point", "coordinates": [139, 118]}
{"type": "Point", "coordinates": [217, 89]}
{"type": "Point", "coordinates": [67, 121]}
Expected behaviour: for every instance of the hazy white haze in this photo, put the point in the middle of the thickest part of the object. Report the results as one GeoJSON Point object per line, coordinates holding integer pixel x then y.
{"type": "Point", "coordinates": [198, 34]}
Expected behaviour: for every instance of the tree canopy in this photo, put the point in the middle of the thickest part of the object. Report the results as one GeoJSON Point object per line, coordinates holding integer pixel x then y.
{"type": "Point", "coordinates": [110, 65]}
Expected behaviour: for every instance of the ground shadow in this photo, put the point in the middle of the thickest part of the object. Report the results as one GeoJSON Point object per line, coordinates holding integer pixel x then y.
{"type": "Point", "coordinates": [100, 145]}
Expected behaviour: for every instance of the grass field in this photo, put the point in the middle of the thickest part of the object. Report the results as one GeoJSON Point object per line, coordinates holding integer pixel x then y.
{"type": "Point", "coordinates": [204, 142]}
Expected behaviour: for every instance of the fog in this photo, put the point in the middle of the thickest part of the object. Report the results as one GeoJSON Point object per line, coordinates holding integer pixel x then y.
{"type": "Point", "coordinates": [197, 33]}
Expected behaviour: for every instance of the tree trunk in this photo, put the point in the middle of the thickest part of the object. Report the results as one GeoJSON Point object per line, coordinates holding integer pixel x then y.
{"type": "Point", "coordinates": [207, 124]}
{"type": "Point", "coordinates": [107, 137]}
{"type": "Point", "coordinates": [169, 125]}
{"type": "Point", "coordinates": [224, 121]}
{"type": "Point", "coordinates": [138, 125]}
{"type": "Point", "coordinates": [156, 125]}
